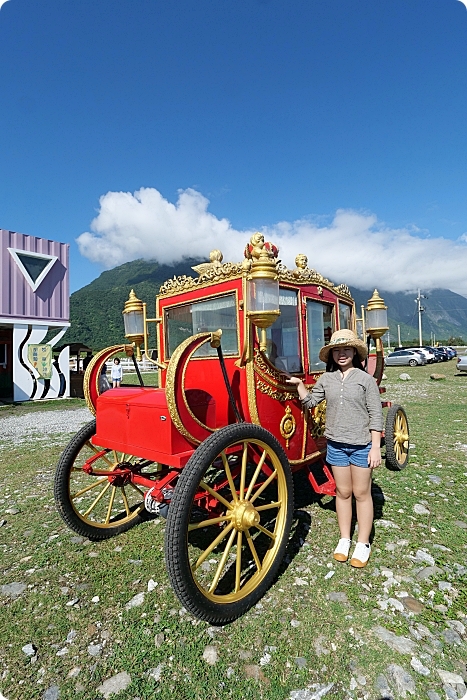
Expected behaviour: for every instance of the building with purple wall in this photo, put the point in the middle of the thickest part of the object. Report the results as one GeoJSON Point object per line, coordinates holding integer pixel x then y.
{"type": "Point", "coordinates": [34, 315]}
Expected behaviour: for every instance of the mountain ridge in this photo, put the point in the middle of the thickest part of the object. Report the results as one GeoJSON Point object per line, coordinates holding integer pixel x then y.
{"type": "Point", "coordinates": [96, 309]}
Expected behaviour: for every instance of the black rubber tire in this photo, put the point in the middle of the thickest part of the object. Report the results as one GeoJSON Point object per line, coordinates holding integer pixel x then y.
{"type": "Point", "coordinates": [64, 503]}
{"type": "Point", "coordinates": [396, 458]}
{"type": "Point", "coordinates": [413, 363]}
{"type": "Point", "coordinates": [177, 553]}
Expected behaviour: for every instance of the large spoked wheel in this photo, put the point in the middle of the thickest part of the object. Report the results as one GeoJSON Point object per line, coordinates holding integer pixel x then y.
{"type": "Point", "coordinates": [229, 522]}
{"type": "Point", "coordinates": [397, 438]}
{"type": "Point", "coordinates": [98, 506]}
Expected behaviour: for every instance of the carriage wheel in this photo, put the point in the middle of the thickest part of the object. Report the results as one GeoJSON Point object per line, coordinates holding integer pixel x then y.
{"type": "Point", "coordinates": [229, 522]}
{"type": "Point", "coordinates": [397, 438]}
{"type": "Point", "coordinates": [94, 506]}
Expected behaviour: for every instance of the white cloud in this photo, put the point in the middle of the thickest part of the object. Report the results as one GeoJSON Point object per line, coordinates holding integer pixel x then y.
{"type": "Point", "coordinates": [354, 248]}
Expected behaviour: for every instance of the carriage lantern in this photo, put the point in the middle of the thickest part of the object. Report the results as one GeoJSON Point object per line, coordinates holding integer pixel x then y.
{"type": "Point", "coordinates": [376, 316]}
{"type": "Point", "coordinates": [133, 318]}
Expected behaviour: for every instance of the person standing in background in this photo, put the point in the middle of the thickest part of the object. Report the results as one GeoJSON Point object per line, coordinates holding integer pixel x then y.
{"type": "Point", "coordinates": [116, 373]}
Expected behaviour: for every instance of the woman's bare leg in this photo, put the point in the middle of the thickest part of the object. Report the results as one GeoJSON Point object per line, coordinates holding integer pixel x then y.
{"type": "Point", "coordinates": [343, 479]}
{"type": "Point", "coordinates": [361, 487]}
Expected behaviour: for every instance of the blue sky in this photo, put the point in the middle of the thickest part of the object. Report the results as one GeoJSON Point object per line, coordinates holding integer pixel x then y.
{"type": "Point", "coordinates": [336, 126]}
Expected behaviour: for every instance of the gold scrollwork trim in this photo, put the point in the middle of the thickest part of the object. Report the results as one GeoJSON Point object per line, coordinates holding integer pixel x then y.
{"type": "Point", "coordinates": [185, 283]}
{"type": "Point", "coordinates": [273, 392]}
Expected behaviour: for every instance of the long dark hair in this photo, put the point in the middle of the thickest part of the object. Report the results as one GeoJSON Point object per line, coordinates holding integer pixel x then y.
{"type": "Point", "coordinates": [331, 366]}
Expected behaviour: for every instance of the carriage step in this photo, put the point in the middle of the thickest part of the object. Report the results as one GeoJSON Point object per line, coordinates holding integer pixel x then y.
{"type": "Point", "coordinates": [321, 479]}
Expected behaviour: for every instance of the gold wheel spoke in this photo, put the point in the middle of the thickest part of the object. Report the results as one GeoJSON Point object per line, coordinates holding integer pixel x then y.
{"type": "Point", "coordinates": [136, 488]}
{"type": "Point", "coordinates": [253, 549]}
{"type": "Point", "coordinates": [220, 568]}
{"type": "Point", "coordinates": [206, 523]}
{"type": "Point", "coordinates": [217, 495]}
{"type": "Point", "coordinates": [268, 506]}
{"type": "Point", "coordinates": [212, 546]}
{"type": "Point", "coordinates": [125, 501]}
{"type": "Point", "coordinates": [111, 503]}
{"type": "Point", "coordinates": [229, 477]}
{"type": "Point", "coordinates": [243, 472]}
{"type": "Point", "coordinates": [96, 500]}
{"type": "Point", "coordinates": [266, 532]}
{"type": "Point", "coordinates": [264, 486]}
{"type": "Point", "coordinates": [238, 563]}
{"type": "Point", "coordinates": [88, 488]}
{"type": "Point", "coordinates": [255, 475]}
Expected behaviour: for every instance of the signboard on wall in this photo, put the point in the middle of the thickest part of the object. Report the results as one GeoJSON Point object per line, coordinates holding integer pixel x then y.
{"type": "Point", "coordinates": [40, 357]}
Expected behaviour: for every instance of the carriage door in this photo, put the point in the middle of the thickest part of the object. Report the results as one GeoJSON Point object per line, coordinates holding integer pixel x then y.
{"type": "Point", "coordinates": [320, 325]}
{"type": "Point", "coordinates": [284, 337]}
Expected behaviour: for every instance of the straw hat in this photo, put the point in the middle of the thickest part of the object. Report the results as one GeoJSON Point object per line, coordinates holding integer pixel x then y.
{"type": "Point", "coordinates": [344, 338]}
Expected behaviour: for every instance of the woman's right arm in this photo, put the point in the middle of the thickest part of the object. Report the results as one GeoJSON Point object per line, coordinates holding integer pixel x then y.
{"type": "Point", "coordinates": [308, 399]}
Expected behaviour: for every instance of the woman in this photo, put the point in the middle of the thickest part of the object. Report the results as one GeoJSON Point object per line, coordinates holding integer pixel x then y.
{"type": "Point", "coordinates": [354, 422]}
{"type": "Point", "coordinates": [116, 373]}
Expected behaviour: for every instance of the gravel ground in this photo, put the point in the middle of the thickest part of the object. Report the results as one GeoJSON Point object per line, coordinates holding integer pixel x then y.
{"type": "Point", "coordinates": [53, 427]}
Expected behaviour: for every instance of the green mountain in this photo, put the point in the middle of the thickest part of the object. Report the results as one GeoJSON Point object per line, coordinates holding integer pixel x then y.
{"type": "Point", "coordinates": [96, 310]}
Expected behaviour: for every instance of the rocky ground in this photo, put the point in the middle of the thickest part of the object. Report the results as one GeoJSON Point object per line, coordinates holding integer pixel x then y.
{"type": "Point", "coordinates": [395, 630]}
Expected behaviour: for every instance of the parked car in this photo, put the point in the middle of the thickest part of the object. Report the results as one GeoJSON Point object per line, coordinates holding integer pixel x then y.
{"type": "Point", "coordinates": [405, 357]}
{"type": "Point", "coordinates": [441, 354]}
{"type": "Point", "coordinates": [451, 353]}
{"type": "Point", "coordinates": [429, 356]}
{"type": "Point", "coordinates": [462, 363]}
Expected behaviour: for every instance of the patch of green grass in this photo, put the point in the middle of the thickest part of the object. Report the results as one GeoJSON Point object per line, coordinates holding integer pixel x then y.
{"type": "Point", "coordinates": [337, 639]}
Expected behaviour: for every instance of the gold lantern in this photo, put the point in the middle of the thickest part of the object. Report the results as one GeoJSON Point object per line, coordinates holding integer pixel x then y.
{"type": "Point", "coordinates": [263, 289]}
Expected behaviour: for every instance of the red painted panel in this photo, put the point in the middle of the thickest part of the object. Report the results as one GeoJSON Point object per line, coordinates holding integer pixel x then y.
{"type": "Point", "coordinates": [136, 421]}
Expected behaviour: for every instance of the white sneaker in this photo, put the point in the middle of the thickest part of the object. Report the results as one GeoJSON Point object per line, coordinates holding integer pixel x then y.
{"type": "Point", "coordinates": [341, 552]}
{"type": "Point", "coordinates": [361, 555]}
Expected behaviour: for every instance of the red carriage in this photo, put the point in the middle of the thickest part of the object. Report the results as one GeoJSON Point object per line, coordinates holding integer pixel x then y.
{"type": "Point", "coordinates": [213, 448]}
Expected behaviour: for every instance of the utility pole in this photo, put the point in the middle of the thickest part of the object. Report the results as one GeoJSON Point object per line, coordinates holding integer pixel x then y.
{"type": "Point", "coordinates": [399, 335]}
{"type": "Point", "coordinates": [420, 310]}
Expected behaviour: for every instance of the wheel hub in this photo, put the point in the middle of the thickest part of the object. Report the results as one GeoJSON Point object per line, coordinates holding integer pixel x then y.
{"type": "Point", "coordinates": [244, 516]}
{"type": "Point", "coordinates": [402, 438]}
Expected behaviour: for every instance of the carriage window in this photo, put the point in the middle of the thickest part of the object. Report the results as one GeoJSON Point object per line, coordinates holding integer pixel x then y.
{"type": "Point", "coordinates": [320, 326]}
{"type": "Point", "coordinates": [181, 322]}
{"type": "Point", "coordinates": [345, 316]}
{"type": "Point", "coordinates": [283, 336]}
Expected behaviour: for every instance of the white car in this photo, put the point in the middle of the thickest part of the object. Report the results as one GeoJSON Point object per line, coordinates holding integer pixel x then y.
{"type": "Point", "coordinates": [405, 357]}
{"type": "Point", "coordinates": [462, 363]}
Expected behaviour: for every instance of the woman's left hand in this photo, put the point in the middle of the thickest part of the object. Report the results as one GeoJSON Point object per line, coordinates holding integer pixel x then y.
{"type": "Point", "coordinates": [374, 457]}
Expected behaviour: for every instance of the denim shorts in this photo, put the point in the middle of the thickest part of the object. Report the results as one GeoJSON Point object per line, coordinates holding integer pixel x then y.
{"type": "Point", "coordinates": [341, 454]}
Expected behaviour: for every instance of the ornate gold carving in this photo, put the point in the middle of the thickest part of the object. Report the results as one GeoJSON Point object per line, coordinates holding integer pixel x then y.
{"type": "Point", "coordinates": [266, 367]}
{"type": "Point", "coordinates": [287, 425]}
{"type": "Point", "coordinates": [318, 420]}
{"type": "Point", "coordinates": [216, 271]}
{"type": "Point", "coordinates": [274, 392]}
{"type": "Point", "coordinates": [212, 275]}
{"type": "Point", "coordinates": [343, 290]}
{"type": "Point", "coordinates": [215, 257]}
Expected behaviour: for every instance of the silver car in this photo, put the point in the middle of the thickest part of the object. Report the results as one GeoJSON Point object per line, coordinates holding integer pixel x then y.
{"type": "Point", "coordinates": [405, 357]}
{"type": "Point", "coordinates": [462, 363]}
